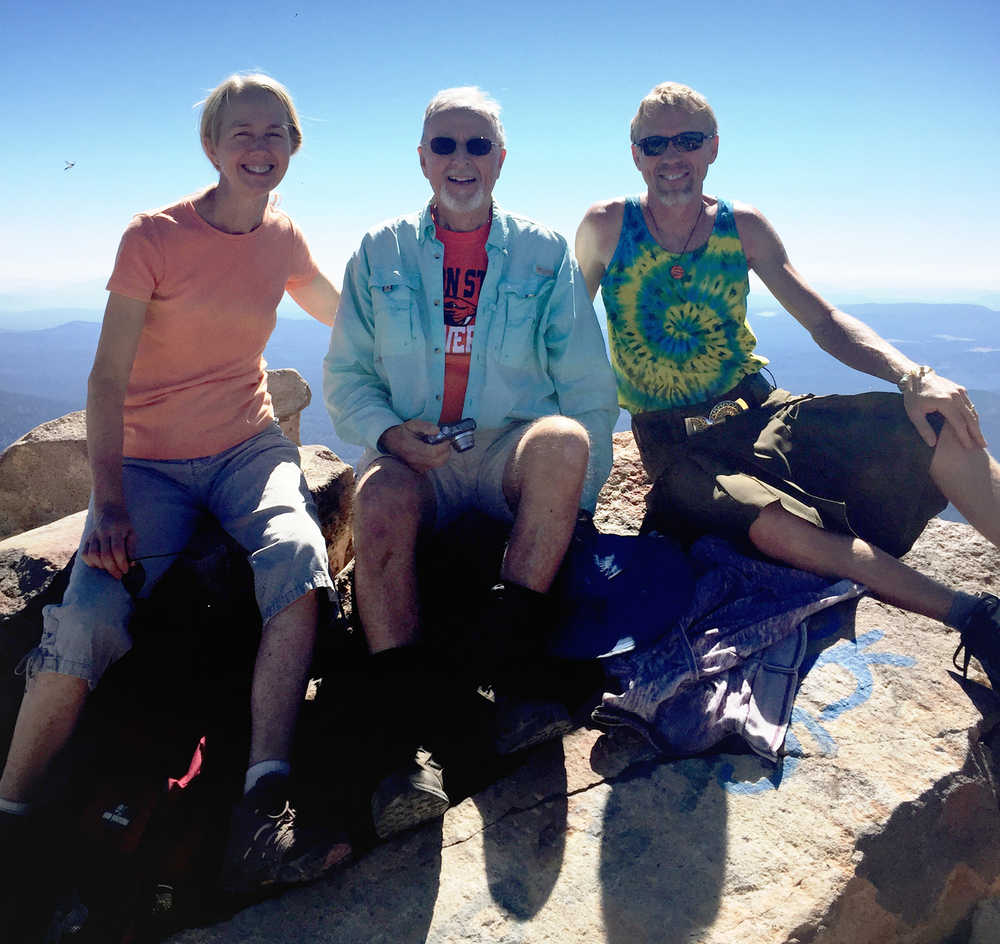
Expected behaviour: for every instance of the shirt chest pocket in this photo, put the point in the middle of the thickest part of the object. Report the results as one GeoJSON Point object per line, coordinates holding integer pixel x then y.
{"type": "Point", "coordinates": [395, 312]}
{"type": "Point", "coordinates": [520, 310]}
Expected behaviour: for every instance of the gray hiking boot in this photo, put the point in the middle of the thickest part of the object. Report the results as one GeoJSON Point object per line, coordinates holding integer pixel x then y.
{"type": "Point", "coordinates": [266, 846]}
{"type": "Point", "coordinates": [524, 722]}
{"type": "Point", "coordinates": [412, 795]}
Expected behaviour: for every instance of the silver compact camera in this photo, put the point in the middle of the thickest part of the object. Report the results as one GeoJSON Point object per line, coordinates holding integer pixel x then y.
{"type": "Point", "coordinates": [459, 433]}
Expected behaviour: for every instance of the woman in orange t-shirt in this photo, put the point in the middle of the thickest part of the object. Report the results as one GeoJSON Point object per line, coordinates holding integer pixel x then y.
{"type": "Point", "coordinates": [180, 424]}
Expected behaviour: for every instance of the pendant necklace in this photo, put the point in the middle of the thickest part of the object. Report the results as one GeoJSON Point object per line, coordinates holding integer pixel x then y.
{"type": "Point", "coordinates": [677, 270]}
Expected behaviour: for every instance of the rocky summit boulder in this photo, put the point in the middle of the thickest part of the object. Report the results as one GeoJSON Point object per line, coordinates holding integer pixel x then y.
{"type": "Point", "coordinates": [880, 825]}
{"type": "Point", "coordinates": [45, 475]}
{"type": "Point", "coordinates": [290, 395]}
{"type": "Point", "coordinates": [331, 483]}
{"type": "Point", "coordinates": [29, 561]}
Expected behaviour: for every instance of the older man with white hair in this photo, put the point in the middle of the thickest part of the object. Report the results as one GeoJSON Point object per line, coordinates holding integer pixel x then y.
{"type": "Point", "coordinates": [463, 312]}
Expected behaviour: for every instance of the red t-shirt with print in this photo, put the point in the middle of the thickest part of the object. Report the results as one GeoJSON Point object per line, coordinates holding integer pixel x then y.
{"type": "Point", "coordinates": [464, 271]}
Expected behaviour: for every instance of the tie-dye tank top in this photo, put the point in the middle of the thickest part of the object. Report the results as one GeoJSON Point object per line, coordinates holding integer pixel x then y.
{"type": "Point", "coordinates": [678, 341]}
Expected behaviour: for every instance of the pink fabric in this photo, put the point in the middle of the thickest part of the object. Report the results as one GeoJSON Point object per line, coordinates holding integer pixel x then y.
{"type": "Point", "coordinates": [194, 769]}
{"type": "Point", "coordinates": [198, 385]}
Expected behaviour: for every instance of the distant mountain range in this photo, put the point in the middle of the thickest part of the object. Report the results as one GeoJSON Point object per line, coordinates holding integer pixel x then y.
{"type": "Point", "coordinates": [43, 373]}
{"type": "Point", "coordinates": [960, 341]}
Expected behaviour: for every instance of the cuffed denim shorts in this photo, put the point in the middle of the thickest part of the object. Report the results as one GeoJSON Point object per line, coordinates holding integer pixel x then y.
{"type": "Point", "coordinates": [472, 480]}
{"type": "Point", "coordinates": [257, 493]}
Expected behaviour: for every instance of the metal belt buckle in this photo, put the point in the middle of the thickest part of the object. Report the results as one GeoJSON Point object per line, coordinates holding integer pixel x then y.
{"type": "Point", "coordinates": [718, 414]}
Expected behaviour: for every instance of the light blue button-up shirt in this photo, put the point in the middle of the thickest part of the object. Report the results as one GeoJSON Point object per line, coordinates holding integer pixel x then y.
{"type": "Point", "coordinates": [537, 348]}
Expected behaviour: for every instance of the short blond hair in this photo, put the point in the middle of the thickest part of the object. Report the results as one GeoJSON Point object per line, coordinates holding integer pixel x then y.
{"type": "Point", "coordinates": [212, 106]}
{"type": "Point", "coordinates": [672, 95]}
{"type": "Point", "coordinates": [467, 98]}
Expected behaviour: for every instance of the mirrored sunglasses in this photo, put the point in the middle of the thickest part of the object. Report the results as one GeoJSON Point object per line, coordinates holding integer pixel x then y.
{"type": "Point", "coordinates": [477, 147]}
{"type": "Point", "coordinates": [656, 144]}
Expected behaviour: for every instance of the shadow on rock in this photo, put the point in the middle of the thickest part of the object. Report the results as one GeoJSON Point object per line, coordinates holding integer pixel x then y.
{"type": "Point", "coordinates": [524, 839]}
{"type": "Point", "coordinates": [921, 874]}
{"type": "Point", "coordinates": [663, 851]}
{"type": "Point", "coordinates": [953, 826]}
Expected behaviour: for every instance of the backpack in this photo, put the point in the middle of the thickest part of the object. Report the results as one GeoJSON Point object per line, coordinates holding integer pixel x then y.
{"type": "Point", "coordinates": [159, 757]}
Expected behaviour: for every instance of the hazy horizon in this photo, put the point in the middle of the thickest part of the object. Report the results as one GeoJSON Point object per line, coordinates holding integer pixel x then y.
{"type": "Point", "coordinates": [760, 305]}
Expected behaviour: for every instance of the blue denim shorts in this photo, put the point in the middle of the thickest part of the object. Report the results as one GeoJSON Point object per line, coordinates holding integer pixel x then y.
{"type": "Point", "coordinates": [472, 480]}
{"type": "Point", "coordinates": [257, 493]}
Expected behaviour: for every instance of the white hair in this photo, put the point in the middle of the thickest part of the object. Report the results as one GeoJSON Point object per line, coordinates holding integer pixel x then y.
{"type": "Point", "coordinates": [467, 98]}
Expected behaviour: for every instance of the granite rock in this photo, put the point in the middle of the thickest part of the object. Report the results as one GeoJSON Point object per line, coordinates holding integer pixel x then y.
{"type": "Point", "coordinates": [29, 561]}
{"type": "Point", "coordinates": [45, 475]}
{"type": "Point", "coordinates": [290, 395]}
{"type": "Point", "coordinates": [880, 825]}
{"type": "Point", "coordinates": [331, 483]}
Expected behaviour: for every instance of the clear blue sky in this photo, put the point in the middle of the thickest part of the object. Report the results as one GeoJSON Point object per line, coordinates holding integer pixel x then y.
{"type": "Point", "coordinates": [868, 133]}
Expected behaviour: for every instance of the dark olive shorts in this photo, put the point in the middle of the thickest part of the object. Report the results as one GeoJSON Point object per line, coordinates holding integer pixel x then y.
{"type": "Point", "coordinates": [854, 464]}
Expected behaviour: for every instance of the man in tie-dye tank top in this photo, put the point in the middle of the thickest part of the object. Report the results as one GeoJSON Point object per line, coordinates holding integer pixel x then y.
{"type": "Point", "coordinates": [839, 485]}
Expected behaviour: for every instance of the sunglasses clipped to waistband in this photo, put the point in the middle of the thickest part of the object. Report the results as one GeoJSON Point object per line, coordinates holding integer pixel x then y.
{"type": "Point", "coordinates": [656, 144]}
{"type": "Point", "coordinates": [477, 147]}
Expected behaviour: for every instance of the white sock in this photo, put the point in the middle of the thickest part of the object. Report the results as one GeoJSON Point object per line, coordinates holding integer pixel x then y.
{"type": "Point", "coordinates": [16, 809]}
{"type": "Point", "coordinates": [262, 769]}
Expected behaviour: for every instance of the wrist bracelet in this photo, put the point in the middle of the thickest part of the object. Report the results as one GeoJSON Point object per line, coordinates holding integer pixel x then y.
{"type": "Point", "coordinates": [909, 380]}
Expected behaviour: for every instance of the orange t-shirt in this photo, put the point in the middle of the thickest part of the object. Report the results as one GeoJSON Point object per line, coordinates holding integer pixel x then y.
{"type": "Point", "coordinates": [464, 270]}
{"type": "Point", "coordinates": [198, 385]}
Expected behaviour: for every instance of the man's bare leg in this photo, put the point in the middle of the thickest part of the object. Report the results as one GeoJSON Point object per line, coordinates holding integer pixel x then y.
{"type": "Point", "coordinates": [970, 480]}
{"type": "Point", "coordinates": [543, 481]}
{"type": "Point", "coordinates": [49, 712]}
{"type": "Point", "coordinates": [790, 539]}
{"type": "Point", "coordinates": [390, 504]}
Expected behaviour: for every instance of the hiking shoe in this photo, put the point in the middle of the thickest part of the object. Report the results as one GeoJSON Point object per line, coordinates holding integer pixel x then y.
{"type": "Point", "coordinates": [981, 638]}
{"type": "Point", "coordinates": [267, 846]}
{"type": "Point", "coordinates": [524, 722]}
{"type": "Point", "coordinates": [412, 795]}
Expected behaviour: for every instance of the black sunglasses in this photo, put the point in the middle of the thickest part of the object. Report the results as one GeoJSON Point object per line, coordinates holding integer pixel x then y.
{"type": "Point", "coordinates": [477, 147]}
{"type": "Point", "coordinates": [656, 144]}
